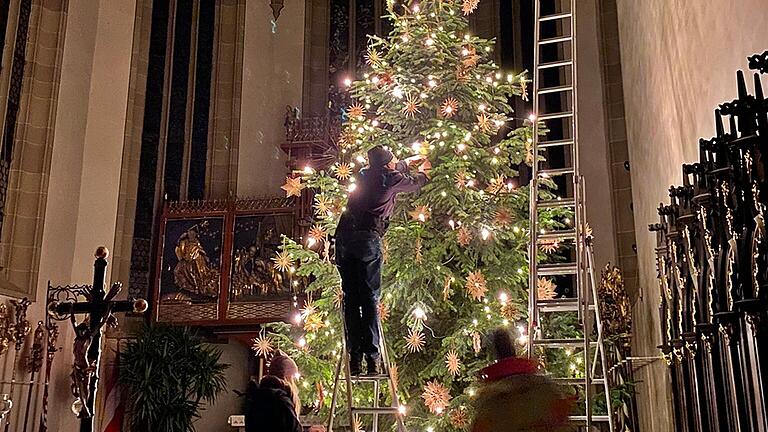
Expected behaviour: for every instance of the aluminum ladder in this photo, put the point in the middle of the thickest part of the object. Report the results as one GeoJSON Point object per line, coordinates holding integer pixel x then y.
{"type": "Point", "coordinates": [555, 118]}
{"type": "Point", "coordinates": [354, 412]}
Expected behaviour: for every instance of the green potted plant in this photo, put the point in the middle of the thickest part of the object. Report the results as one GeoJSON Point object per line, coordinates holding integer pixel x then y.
{"type": "Point", "coordinates": [168, 373]}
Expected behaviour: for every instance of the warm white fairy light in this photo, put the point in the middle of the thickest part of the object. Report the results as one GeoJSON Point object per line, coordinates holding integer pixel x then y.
{"type": "Point", "coordinates": [532, 117]}
{"type": "Point", "coordinates": [416, 146]}
{"type": "Point", "coordinates": [419, 313]}
{"type": "Point", "coordinates": [351, 188]}
{"type": "Point", "coordinates": [461, 147]}
{"type": "Point", "coordinates": [375, 123]}
{"type": "Point", "coordinates": [311, 241]}
{"type": "Point", "coordinates": [302, 342]}
{"type": "Point", "coordinates": [432, 83]}
{"type": "Point", "coordinates": [452, 224]}
{"type": "Point", "coordinates": [429, 42]}
{"type": "Point", "coordinates": [503, 297]}
{"type": "Point", "coordinates": [347, 82]}
{"type": "Point", "coordinates": [297, 318]}
{"type": "Point", "coordinates": [397, 92]}
{"type": "Point", "coordinates": [484, 233]}
{"type": "Point", "coordinates": [360, 159]}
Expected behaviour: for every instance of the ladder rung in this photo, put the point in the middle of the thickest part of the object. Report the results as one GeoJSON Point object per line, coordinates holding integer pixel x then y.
{"type": "Point", "coordinates": [555, 40]}
{"type": "Point", "coordinates": [558, 89]}
{"type": "Point", "coordinates": [369, 378]}
{"type": "Point", "coordinates": [555, 172]}
{"type": "Point", "coordinates": [561, 343]}
{"type": "Point", "coordinates": [580, 381]}
{"type": "Point", "coordinates": [372, 410]}
{"type": "Point", "coordinates": [557, 203]}
{"type": "Point", "coordinates": [557, 235]}
{"type": "Point", "coordinates": [554, 143]}
{"type": "Point", "coordinates": [554, 116]}
{"type": "Point", "coordinates": [557, 269]}
{"type": "Point", "coordinates": [559, 305]}
{"type": "Point", "coordinates": [555, 17]}
{"type": "Point", "coordinates": [583, 418]}
{"type": "Point", "coordinates": [555, 64]}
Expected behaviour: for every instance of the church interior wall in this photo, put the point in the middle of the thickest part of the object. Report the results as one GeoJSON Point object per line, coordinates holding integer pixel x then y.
{"type": "Point", "coordinates": [273, 65]}
{"type": "Point", "coordinates": [679, 62]}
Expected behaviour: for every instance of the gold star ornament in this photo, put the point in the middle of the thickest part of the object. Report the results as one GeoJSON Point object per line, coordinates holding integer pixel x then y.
{"type": "Point", "coordinates": [420, 213]}
{"type": "Point", "coordinates": [476, 285]}
{"type": "Point", "coordinates": [283, 261]}
{"type": "Point", "coordinates": [415, 341]}
{"type": "Point", "coordinates": [342, 171]}
{"type": "Point", "coordinates": [464, 236]}
{"type": "Point", "coordinates": [453, 363]}
{"type": "Point", "coordinates": [436, 397]}
{"type": "Point", "coordinates": [545, 289]}
{"type": "Point", "coordinates": [292, 186]}
{"type": "Point", "coordinates": [469, 6]}
{"type": "Point", "coordinates": [449, 107]}
{"type": "Point", "coordinates": [262, 345]}
{"type": "Point", "coordinates": [356, 111]}
{"type": "Point", "coordinates": [459, 418]}
{"type": "Point", "coordinates": [411, 106]}
{"type": "Point", "coordinates": [384, 311]}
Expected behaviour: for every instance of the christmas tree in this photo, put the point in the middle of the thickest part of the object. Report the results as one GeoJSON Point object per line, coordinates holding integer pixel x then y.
{"type": "Point", "coordinates": [456, 253]}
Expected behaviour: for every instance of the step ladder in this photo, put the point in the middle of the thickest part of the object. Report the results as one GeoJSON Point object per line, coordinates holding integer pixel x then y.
{"type": "Point", "coordinates": [555, 116]}
{"type": "Point", "coordinates": [354, 412]}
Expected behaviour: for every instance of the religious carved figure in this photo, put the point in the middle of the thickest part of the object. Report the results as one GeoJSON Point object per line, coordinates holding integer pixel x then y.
{"type": "Point", "coordinates": [254, 274]}
{"type": "Point", "coordinates": [193, 273]}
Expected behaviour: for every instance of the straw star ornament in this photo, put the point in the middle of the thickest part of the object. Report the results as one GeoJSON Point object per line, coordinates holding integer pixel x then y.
{"type": "Point", "coordinates": [292, 186]}
{"type": "Point", "coordinates": [453, 363]}
{"type": "Point", "coordinates": [415, 341]}
{"type": "Point", "coordinates": [283, 261]}
{"type": "Point", "coordinates": [476, 285]}
{"type": "Point", "coordinates": [436, 397]}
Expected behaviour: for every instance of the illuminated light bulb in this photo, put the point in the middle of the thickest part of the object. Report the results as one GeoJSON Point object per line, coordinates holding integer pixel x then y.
{"type": "Point", "coordinates": [465, 157]}
{"type": "Point", "coordinates": [487, 49]}
{"type": "Point", "coordinates": [429, 42]}
{"type": "Point", "coordinates": [365, 75]}
{"type": "Point", "coordinates": [494, 161]}
{"type": "Point", "coordinates": [430, 429]}
{"type": "Point", "coordinates": [448, 110]}
{"type": "Point", "coordinates": [397, 92]}
{"type": "Point", "coordinates": [488, 316]}
{"type": "Point", "coordinates": [402, 409]}
{"type": "Point", "coordinates": [305, 384]}
{"type": "Point", "coordinates": [416, 8]}
{"type": "Point", "coordinates": [496, 150]}
{"type": "Point", "coordinates": [505, 323]}
{"type": "Point", "coordinates": [521, 329]}
{"type": "Point", "coordinates": [453, 279]}
{"type": "Point", "coordinates": [452, 224]}
{"type": "Point", "coordinates": [297, 318]}
{"type": "Point", "coordinates": [484, 233]}
{"type": "Point", "coordinates": [464, 52]}
{"type": "Point", "coordinates": [347, 82]}
{"type": "Point", "coordinates": [487, 309]}
{"type": "Point", "coordinates": [510, 186]}
{"type": "Point", "coordinates": [470, 183]}
{"type": "Point", "coordinates": [360, 129]}
{"type": "Point", "coordinates": [471, 392]}
{"type": "Point", "coordinates": [375, 123]}
{"type": "Point", "coordinates": [467, 36]}
{"type": "Point", "coordinates": [461, 147]}
{"type": "Point", "coordinates": [419, 313]}
{"type": "Point", "coordinates": [544, 175]}
{"type": "Point", "coordinates": [311, 241]}
{"type": "Point", "coordinates": [468, 136]}
{"type": "Point", "coordinates": [445, 134]}
{"type": "Point", "coordinates": [296, 283]}
{"type": "Point", "coordinates": [503, 297]}
{"type": "Point", "coordinates": [481, 107]}
{"type": "Point", "coordinates": [474, 322]}
{"type": "Point", "coordinates": [431, 146]}
{"type": "Point", "coordinates": [297, 375]}
{"type": "Point", "coordinates": [302, 342]}
{"type": "Point", "coordinates": [443, 194]}
{"type": "Point", "coordinates": [423, 95]}
{"type": "Point", "coordinates": [422, 218]}
{"type": "Point", "coordinates": [498, 123]}
{"type": "Point", "coordinates": [573, 366]}
{"type": "Point", "coordinates": [404, 38]}
{"type": "Point", "coordinates": [532, 117]}
{"type": "Point", "coordinates": [351, 188]}
{"type": "Point", "coordinates": [498, 75]}
{"type": "Point", "coordinates": [433, 83]}
{"type": "Point", "coordinates": [488, 80]}
{"type": "Point", "coordinates": [352, 180]}
{"type": "Point", "coordinates": [568, 352]}
{"type": "Point", "coordinates": [432, 14]}
{"type": "Point", "coordinates": [567, 220]}
{"type": "Point", "coordinates": [522, 340]}
{"type": "Point", "coordinates": [516, 229]}
{"type": "Point", "coordinates": [520, 271]}
{"type": "Point", "coordinates": [579, 360]}
{"type": "Point", "coordinates": [542, 231]}
{"type": "Point", "coordinates": [416, 146]}
{"type": "Point", "coordinates": [292, 269]}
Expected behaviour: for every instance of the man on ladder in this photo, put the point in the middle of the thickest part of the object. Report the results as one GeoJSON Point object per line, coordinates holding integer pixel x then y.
{"type": "Point", "coordinates": [358, 248]}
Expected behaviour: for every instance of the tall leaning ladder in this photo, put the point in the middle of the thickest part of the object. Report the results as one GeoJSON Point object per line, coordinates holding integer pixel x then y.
{"type": "Point", "coordinates": [354, 411]}
{"type": "Point", "coordinates": [555, 109]}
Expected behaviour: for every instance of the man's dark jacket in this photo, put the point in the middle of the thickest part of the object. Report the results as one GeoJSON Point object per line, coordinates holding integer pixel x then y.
{"type": "Point", "coordinates": [371, 203]}
{"type": "Point", "coordinates": [269, 407]}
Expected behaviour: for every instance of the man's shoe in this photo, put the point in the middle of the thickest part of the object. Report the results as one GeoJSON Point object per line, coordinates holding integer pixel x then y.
{"type": "Point", "coordinates": [373, 365]}
{"type": "Point", "coordinates": [355, 366]}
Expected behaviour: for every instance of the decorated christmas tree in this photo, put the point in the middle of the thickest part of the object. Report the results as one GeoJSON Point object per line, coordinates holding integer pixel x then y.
{"type": "Point", "coordinates": [456, 253]}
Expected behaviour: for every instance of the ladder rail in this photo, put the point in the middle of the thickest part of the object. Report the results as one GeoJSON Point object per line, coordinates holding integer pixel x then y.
{"type": "Point", "coordinates": [376, 410]}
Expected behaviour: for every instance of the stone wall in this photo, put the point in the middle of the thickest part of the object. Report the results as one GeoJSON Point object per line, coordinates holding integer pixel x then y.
{"type": "Point", "coordinates": [678, 60]}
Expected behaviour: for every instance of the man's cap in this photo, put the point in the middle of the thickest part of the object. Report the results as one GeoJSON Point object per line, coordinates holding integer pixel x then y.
{"type": "Point", "coordinates": [379, 156]}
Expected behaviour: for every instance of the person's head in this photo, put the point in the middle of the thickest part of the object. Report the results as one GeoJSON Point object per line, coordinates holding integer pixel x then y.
{"type": "Point", "coordinates": [285, 370]}
{"type": "Point", "coordinates": [283, 367]}
{"type": "Point", "coordinates": [379, 157]}
{"type": "Point", "coordinates": [192, 233]}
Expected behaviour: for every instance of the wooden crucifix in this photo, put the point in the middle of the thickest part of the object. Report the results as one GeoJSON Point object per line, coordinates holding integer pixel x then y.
{"type": "Point", "coordinates": [98, 309]}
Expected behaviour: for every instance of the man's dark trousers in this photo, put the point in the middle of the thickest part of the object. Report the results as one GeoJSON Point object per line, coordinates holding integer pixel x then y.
{"type": "Point", "coordinates": [358, 256]}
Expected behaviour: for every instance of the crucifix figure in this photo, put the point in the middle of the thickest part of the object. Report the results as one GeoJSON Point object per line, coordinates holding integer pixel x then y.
{"type": "Point", "coordinates": [98, 309]}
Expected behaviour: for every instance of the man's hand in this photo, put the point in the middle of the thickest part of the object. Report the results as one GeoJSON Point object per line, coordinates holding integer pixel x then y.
{"type": "Point", "coordinates": [414, 160]}
{"type": "Point", "coordinates": [317, 428]}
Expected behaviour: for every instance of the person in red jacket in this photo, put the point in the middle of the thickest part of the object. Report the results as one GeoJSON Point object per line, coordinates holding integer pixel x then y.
{"type": "Point", "coordinates": [358, 247]}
